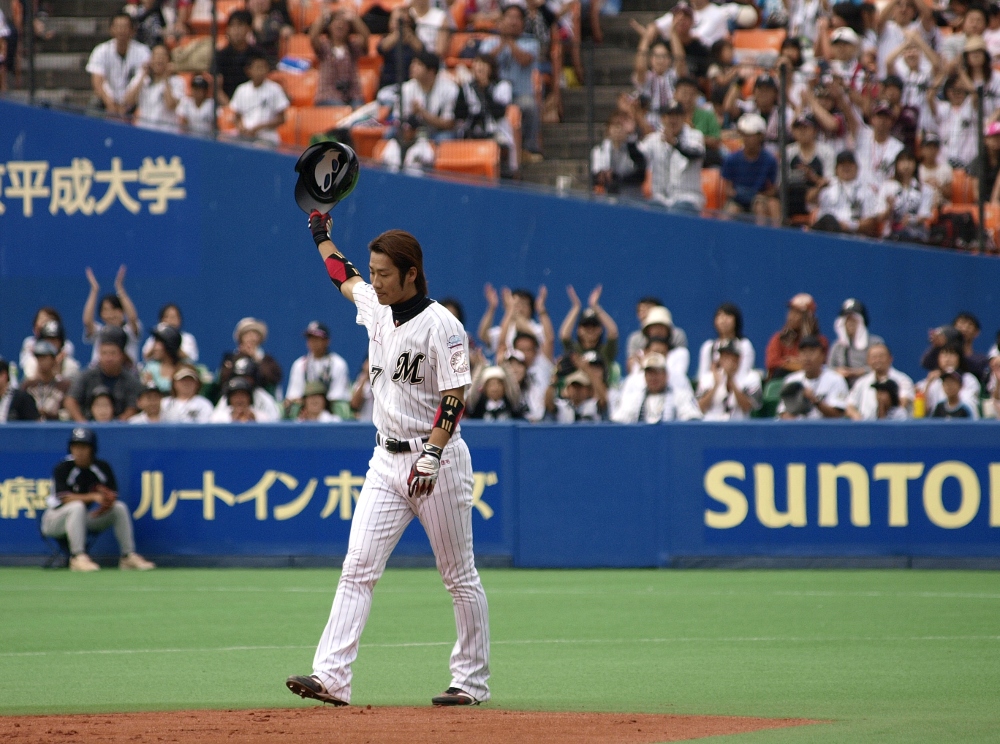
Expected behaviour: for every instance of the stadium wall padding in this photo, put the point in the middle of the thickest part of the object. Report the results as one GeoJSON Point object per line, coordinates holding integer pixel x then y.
{"type": "Point", "coordinates": [233, 243]}
{"type": "Point", "coordinates": [546, 495]}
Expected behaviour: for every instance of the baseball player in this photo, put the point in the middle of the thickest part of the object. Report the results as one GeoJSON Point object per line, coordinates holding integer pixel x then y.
{"type": "Point", "coordinates": [421, 467]}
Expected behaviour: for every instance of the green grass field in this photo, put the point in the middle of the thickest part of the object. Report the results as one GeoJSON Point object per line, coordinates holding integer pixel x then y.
{"type": "Point", "coordinates": [886, 656]}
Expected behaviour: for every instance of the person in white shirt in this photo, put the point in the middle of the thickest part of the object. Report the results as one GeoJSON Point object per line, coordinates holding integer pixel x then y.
{"type": "Point", "coordinates": [725, 392]}
{"type": "Point", "coordinates": [236, 406]}
{"type": "Point", "coordinates": [711, 21]}
{"type": "Point", "coordinates": [659, 325]}
{"type": "Point", "coordinates": [521, 308]}
{"type": "Point", "coordinates": [433, 26]}
{"type": "Point", "coordinates": [314, 404]}
{"type": "Point", "coordinates": [862, 402]}
{"type": "Point", "coordinates": [428, 97]}
{"type": "Point", "coordinates": [264, 405]}
{"type": "Point", "coordinates": [186, 405]}
{"type": "Point", "coordinates": [955, 120]}
{"type": "Point", "coordinates": [114, 64]}
{"type": "Point", "coordinates": [171, 315]}
{"type": "Point", "coordinates": [846, 199]}
{"type": "Point", "coordinates": [728, 322]}
{"type": "Point", "coordinates": [903, 206]}
{"type": "Point", "coordinates": [259, 104]}
{"type": "Point", "coordinates": [655, 77]}
{"type": "Point", "coordinates": [319, 365]}
{"type": "Point", "coordinates": [578, 401]}
{"type": "Point", "coordinates": [150, 406]}
{"type": "Point", "coordinates": [195, 112]}
{"type": "Point", "coordinates": [934, 172]}
{"type": "Point", "coordinates": [674, 157]}
{"type": "Point", "coordinates": [651, 395]}
{"type": "Point", "coordinates": [814, 392]}
{"type": "Point", "coordinates": [156, 93]}
{"type": "Point", "coordinates": [876, 148]}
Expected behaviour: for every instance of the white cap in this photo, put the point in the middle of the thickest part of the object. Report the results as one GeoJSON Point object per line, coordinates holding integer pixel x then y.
{"type": "Point", "coordinates": [657, 316]}
{"type": "Point", "coordinates": [751, 124]}
{"type": "Point", "coordinates": [844, 34]}
{"type": "Point", "coordinates": [654, 360]}
{"type": "Point", "coordinates": [493, 373]}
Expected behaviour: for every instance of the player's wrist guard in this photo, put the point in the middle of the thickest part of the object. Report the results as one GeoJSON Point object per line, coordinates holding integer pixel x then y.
{"type": "Point", "coordinates": [339, 269]}
{"type": "Point", "coordinates": [319, 226]}
{"type": "Point", "coordinates": [449, 413]}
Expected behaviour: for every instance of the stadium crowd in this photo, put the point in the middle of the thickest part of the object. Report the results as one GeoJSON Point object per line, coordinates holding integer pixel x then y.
{"type": "Point", "coordinates": [517, 374]}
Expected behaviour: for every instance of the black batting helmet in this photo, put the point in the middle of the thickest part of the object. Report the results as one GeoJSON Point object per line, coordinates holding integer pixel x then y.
{"type": "Point", "coordinates": [328, 172]}
{"type": "Point", "coordinates": [83, 435]}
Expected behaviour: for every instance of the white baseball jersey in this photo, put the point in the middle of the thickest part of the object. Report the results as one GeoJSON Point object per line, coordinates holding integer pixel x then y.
{"type": "Point", "coordinates": [196, 410]}
{"type": "Point", "coordinates": [118, 71]}
{"type": "Point", "coordinates": [410, 363]}
{"type": "Point", "coordinates": [257, 105]}
{"type": "Point", "coordinates": [330, 369]}
{"type": "Point", "coordinates": [153, 112]}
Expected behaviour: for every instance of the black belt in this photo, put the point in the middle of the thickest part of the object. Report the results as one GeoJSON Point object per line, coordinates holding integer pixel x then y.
{"type": "Point", "coordinates": [395, 446]}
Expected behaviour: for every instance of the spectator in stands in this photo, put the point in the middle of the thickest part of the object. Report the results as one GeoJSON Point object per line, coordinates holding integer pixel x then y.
{"type": "Point", "coordinates": [314, 404]}
{"type": "Point", "coordinates": [111, 373]}
{"type": "Point", "coordinates": [148, 21]}
{"type": "Point", "coordinates": [750, 175]}
{"type": "Point", "coordinates": [636, 341]}
{"type": "Point", "coordinates": [185, 405]}
{"type": "Point", "coordinates": [578, 402]}
{"type": "Point", "coordinates": [237, 404]}
{"type": "Point", "coordinates": [429, 98]}
{"type": "Point", "coordinates": [398, 48]}
{"type": "Point", "coordinates": [481, 108]}
{"type": "Point", "coordinates": [952, 405]}
{"type": "Point", "coordinates": [163, 358]}
{"type": "Point", "coordinates": [433, 25]}
{"type": "Point", "coordinates": [268, 27]}
{"type": "Point", "coordinates": [674, 156]}
{"type": "Point", "coordinates": [338, 39]}
{"type": "Point", "coordinates": [534, 379]}
{"type": "Point", "coordinates": [897, 19]}
{"type": "Point", "coordinates": [516, 56]}
{"type": "Point", "coordinates": [170, 314]}
{"type": "Point", "coordinates": [656, 396]}
{"type": "Point", "coordinates": [728, 322]}
{"type": "Point", "coordinates": [846, 199]}
{"type": "Point", "coordinates": [764, 103]}
{"type": "Point", "coordinates": [709, 22]}
{"type": "Point", "coordinates": [782, 355]}
{"type": "Point", "coordinates": [79, 482]}
{"type": "Point", "coordinates": [977, 70]}
{"type": "Point", "coordinates": [15, 404]}
{"type": "Point", "coordinates": [47, 326]}
{"type": "Point", "coordinates": [972, 25]}
{"type": "Point", "coordinates": [320, 365]}
{"type": "Point", "coordinates": [729, 390]}
{"type": "Point", "coordinates": [827, 105]}
{"type": "Point", "coordinates": [723, 71]}
{"type": "Point", "coordinates": [195, 113]}
{"type": "Point", "coordinates": [596, 330]}
{"type": "Point", "coordinates": [113, 65]}
{"type": "Point", "coordinates": [863, 404]}
{"type": "Point", "coordinates": [934, 173]}
{"type": "Point", "coordinates": [249, 334]}
{"type": "Point", "coordinates": [494, 396]}
{"type": "Point", "coordinates": [7, 47]}
{"type": "Point", "coordinates": [259, 104]}
{"type": "Point", "coordinates": [849, 353]}
{"type": "Point", "coordinates": [233, 59]}
{"type": "Point", "coordinates": [991, 407]}
{"type": "Point", "coordinates": [116, 310]}
{"type": "Point", "coordinates": [520, 310]}
{"type": "Point", "coordinates": [616, 164]}
{"type": "Point", "coordinates": [888, 405]}
{"type": "Point", "coordinates": [876, 147]}
{"type": "Point", "coordinates": [903, 207]}
{"type": "Point", "coordinates": [810, 163]}
{"type": "Point", "coordinates": [102, 405]}
{"type": "Point", "coordinates": [156, 92]}
{"type": "Point", "coordinates": [939, 337]}
{"type": "Point", "coordinates": [659, 325]}
{"type": "Point", "coordinates": [950, 360]}
{"type": "Point", "coordinates": [700, 119]}
{"type": "Point", "coordinates": [45, 385]}
{"type": "Point", "coordinates": [655, 77]}
{"type": "Point", "coordinates": [988, 163]}
{"type": "Point", "coordinates": [150, 406]}
{"type": "Point", "coordinates": [815, 391]}
{"type": "Point", "coordinates": [968, 325]}
{"type": "Point", "coordinates": [263, 405]}
{"type": "Point", "coordinates": [483, 13]}
{"type": "Point", "coordinates": [409, 149]}
{"type": "Point", "coordinates": [955, 119]}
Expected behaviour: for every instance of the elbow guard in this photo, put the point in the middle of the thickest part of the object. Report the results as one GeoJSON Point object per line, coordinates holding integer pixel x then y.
{"type": "Point", "coordinates": [449, 413]}
{"type": "Point", "coordinates": [340, 269]}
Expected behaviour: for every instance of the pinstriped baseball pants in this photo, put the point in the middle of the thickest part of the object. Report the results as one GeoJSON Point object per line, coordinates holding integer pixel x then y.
{"type": "Point", "coordinates": [384, 509]}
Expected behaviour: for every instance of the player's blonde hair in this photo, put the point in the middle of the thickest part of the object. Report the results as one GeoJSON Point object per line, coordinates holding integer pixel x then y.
{"type": "Point", "coordinates": [405, 253]}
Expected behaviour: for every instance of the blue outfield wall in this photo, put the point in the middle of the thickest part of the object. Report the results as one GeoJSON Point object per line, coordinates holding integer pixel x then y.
{"type": "Point", "coordinates": [547, 496]}
{"type": "Point", "coordinates": [224, 239]}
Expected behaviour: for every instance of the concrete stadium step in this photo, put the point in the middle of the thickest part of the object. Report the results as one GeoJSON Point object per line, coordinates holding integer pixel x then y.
{"type": "Point", "coordinates": [74, 34]}
{"type": "Point", "coordinates": [618, 31]}
{"type": "Point", "coordinates": [658, 6]}
{"type": "Point", "coordinates": [612, 66]}
{"type": "Point", "coordinates": [575, 102]}
{"type": "Point", "coordinates": [546, 172]}
{"type": "Point", "coordinates": [85, 8]}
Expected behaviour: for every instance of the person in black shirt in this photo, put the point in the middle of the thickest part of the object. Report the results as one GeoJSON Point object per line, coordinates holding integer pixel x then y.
{"type": "Point", "coordinates": [398, 48]}
{"type": "Point", "coordinates": [15, 405]}
{"type": "Point", "coordinates": [953, 406]}
{"type": "Point", "coordinates": [80, 482]}
{"type": "Point", "coordinates": [231, 61]}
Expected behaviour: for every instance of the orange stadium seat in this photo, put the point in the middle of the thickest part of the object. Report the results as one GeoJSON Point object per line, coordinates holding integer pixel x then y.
{"type": "Point", "coordinates": [369, 84]}
{"type": "Point", "coordinates": [300, 87]}
{"type": "Point", "coordinates": [962, 187]}
{"type": "Point", "coordinates": [472, 157]}
{"type": "Point", "coordinates": [300, 46]}
{"type": "Point", "coordinates": [711, 187]}
{"type": "Point", "coordinates": [227, 120]}
{"type": "Point", "coordinates": [759, 38]}
{"type": "Point", "coordinates": [365, 138]}
{"type": "Point", "coordinates": [288, 128]}
{"type": "Point", "coordinates": [377, 150]}
{"type": "Point", "coordinates": [457, 44]}
{"type": "Point", "coordinates": [303, 13]}
{"type": "Point", "coordinates": [372, 60]}
{"type": "Point", "coordinates": [318, 120]}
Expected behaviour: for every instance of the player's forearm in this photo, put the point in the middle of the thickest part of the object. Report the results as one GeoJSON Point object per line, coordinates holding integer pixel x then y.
{"type": "Point", "coordinates": [341, 271]}
{"type": "Point", "coordinates": [448, 415]}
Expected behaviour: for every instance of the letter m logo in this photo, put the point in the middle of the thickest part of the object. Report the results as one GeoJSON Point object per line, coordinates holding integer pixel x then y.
{"type": "Point", "coordinates": [407, 370]}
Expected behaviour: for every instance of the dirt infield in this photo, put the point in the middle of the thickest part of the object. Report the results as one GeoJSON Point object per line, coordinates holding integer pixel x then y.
{"type": "Point", "coordinates": [377, 725]}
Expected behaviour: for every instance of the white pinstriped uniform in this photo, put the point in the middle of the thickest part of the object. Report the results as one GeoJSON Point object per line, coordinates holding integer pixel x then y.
{"type": "Point", "coordinates": [410, 365]}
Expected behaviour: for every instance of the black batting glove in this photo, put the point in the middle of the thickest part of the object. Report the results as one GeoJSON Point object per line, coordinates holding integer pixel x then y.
{"type": "Point", "coordinates": [319, 226]}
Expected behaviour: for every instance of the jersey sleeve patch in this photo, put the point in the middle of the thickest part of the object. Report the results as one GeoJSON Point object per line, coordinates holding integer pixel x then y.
{"type": "Point", "coordinates": [459, 362]}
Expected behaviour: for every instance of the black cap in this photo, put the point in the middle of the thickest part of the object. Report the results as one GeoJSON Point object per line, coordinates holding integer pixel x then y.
{"type": "Point", "coordinates": [893, 81]}
{"type": "Point", "coordinates": [846, 156]}
{"type": "Point", "coordinates": [930, 138]}
{"type": "Point", "coordinates": [590, 317]}
{"type": "Point", "coordinates": [114, 335]}
{"type": "Point", "coordinates": [150, 387]}
{"type": "Point", "coordinates": [83, 435]}
{"type": "Point", "coordinates": [888, 386]}
{"type": "Point", "coordinates": [328, 172]}
{"type": "Point", "coordinates": [316, 330]}
{"type": "Point", "coordinates": [673, 107]}
{"type": "Point", "coordinates": [765, 81]}
{"type": "Point", "coordinates": [52, 329]}
{"type": "Point", "coordinates": [244, 366]}
{"type": "Point", "coordinates": [852, 305]}
{"type": "Point", "coordinates": [729, 346]}
{"type": "Point", "coordinates": [236, 384]}
{"type": "Point", "coordinates": [805, 120]}
{"type": "Point", "coordinates": [953, 375]}
{"type": "Point", "coordinates": [44, 348]}
{"type": "Point", "coordinates": [810, 342]}
{"type": "Point", "coordinates": [199, 81]}
{"type": "Point", "coordinates": [429, 60]}
{"type": "Point", "coordinates": [169, 336]}
{"type": "Point", "coordinates": [99, 391]}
